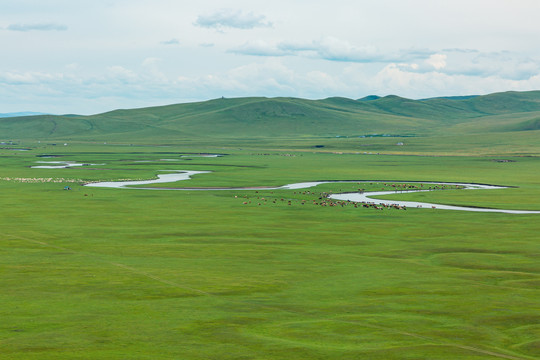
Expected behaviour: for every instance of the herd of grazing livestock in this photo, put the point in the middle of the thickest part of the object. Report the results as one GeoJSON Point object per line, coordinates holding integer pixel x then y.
{"type": "Point", "coordinates": [322, 199]}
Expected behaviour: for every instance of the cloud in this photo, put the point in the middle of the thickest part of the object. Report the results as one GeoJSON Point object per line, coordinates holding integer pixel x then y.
{"type": "Point", "coordinates": [171, 42]}
{"type": "Point", "coordinates": [227, 18]}
{"type": "Point", "coordinates": [272, 77]}
{"type": "Point", "coordinates": [28, 78]}
{"type": "Point", "coordinates": [151, 61]}
{"type": "Point", "coordinates": [261, 48]}
{"type": "Point", "coordinates": [152, 71]}
{"type": "Point", "coordinates": [410, 82]}
{"type": "Point", "coordinates": [438, 61]}
{"type": "Point", "coordinates": [473, 63]}
{"type": "Point", "coordinates": [37, 27]}
{"type": "Point", "coordinates": [328, 48]}
{"type": "Point", "coordinates": [334, 49]}
{"type": "Point", "coordinates": [121, 74]}
{"type": "Point", "coordinates": [147, 83]}
{"type": "Point", "coordinates": [459, 50]}
{"type": "Point", "coordinates": [505, 65]}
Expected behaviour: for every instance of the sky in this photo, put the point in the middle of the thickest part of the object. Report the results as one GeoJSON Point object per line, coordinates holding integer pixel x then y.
{"type": "Point", "coordinates": [88, 57]}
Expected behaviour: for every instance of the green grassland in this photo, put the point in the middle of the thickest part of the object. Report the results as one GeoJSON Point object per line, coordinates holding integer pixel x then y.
{"type": "Point", "coordinates": [97, 273]}
{"type": "Point", "coordinates": [264, 118]}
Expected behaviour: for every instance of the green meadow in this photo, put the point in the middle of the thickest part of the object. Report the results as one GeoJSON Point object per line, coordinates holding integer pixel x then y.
{"type": "Point", "coordinates": [102, 273]}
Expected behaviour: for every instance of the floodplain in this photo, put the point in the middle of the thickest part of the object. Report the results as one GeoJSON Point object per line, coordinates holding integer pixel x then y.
{"type": "Point", "coordinates": [104, 273]}
{"type": "Point", "coordinates": [114, 274]}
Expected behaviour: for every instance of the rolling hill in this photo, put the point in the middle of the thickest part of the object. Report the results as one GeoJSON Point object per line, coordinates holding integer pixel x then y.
{"type": "Point", "coordinates": [290, 117]}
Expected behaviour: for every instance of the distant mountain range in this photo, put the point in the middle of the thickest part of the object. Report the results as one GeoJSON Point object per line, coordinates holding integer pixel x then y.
{"type": "Point", "coordinates": [258, 117]}
{"type": "Point", "coordinates": [18, 114]}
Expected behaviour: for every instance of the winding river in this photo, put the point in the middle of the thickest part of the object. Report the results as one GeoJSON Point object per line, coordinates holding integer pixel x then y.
{"type": "Point", "coordinates": [60, 164]}
{"type": "Point", "coordinates": [366, 197]}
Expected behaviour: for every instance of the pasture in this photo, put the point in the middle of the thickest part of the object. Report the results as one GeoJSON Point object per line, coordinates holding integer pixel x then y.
{"type": "Point", "coordinates": [97, 273]}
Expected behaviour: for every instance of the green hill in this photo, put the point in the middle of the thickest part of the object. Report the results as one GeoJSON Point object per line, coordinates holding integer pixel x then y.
{"type": "Point", "coordinates": [243, 118]}
{"type": "Point", "coordinates": [460, 108]}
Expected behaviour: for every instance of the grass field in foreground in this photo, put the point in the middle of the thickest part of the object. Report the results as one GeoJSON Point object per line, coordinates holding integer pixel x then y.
{"type": "Point", "coordinates": [113, 274]}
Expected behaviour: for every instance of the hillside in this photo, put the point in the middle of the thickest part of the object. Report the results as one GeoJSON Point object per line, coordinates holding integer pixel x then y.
{"type": "Point", "coordinates": [290, 117]}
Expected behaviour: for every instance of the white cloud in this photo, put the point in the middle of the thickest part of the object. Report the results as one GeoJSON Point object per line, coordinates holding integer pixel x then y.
{"type": "Point", "coordinates": [438, 61]}
{"type": "Point", "coordinates": [146, 84]}
{"type": "Point", "coordinates": [26, 78]}
{"type": "Point", "coordinates": [37, 27]}
{"type": "Point", "coordinates": [331, 48]}
{"type": "Point", "coordinates": [327, 48]}
{"type": "Point", "coordinates": [269, 78]}
{"type": "Point", "coordinates": [396, 79]}
{"type": "Point", "coordinates": [121, 73]}
{"type": "Point", "coordinates": [152, 69]}
{"type": "Point", "coordinates": [501, 64]}
{"type": "Point", "coordinates": [292, 49]}
{"type": "Point", "coordinates": [171, 42]}
{"type": "Point", "coordinates": [260, 48]}
{"type": "Point", "coordinates": [454, 62]}
{"type": "Point", "coordinates": [151, 61]}
{"type": "Point", "coordinates": [228, 18]}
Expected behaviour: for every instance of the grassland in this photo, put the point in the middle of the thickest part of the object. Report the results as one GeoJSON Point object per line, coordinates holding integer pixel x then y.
{"type": "Point", "coordinates": [95, 273]}
{"type": "Point", "coordinates": [259, 119]}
